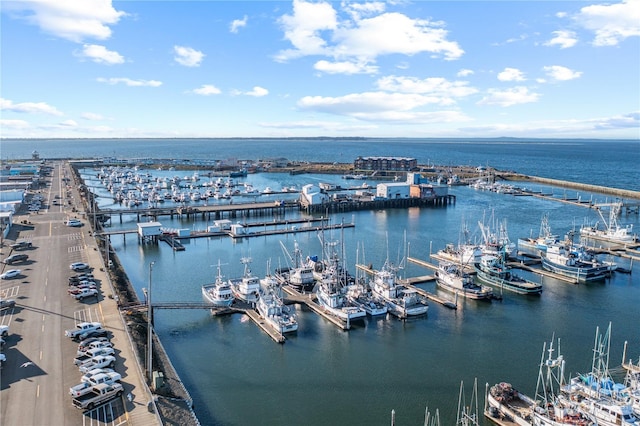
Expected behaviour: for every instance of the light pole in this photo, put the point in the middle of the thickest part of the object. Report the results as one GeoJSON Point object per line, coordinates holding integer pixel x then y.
{"type": "Point", "coordinates": [149, 329]}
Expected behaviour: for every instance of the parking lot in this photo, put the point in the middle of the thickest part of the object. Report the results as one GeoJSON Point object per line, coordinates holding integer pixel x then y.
{"type": "Point", "coordinates": [39, 367]}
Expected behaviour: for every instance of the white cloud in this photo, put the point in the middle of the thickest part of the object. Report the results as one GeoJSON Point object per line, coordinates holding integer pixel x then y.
{"type": "Point", "coordinates": [237, 24]}
{"type": "Point", "coordinates": [318, 125]}
{"type": "Point", "coordinates": [188, 56]}
{"type": "Point", "coordinates": [91, 116]}
{"type": "Point", "coordinates": [69, 19]}
{"type": "Point", "coordinates": [511, 74]}
{"type": "Point", "coordinates": [257, 92]}
{"type": "Point", "coordinates": [207, 90]}
{"type": "Point", "coordinates": [129, 82]}
{"type": "Point", "coordinates": [464, 73]}
{"type": "Point", "coordinates": [438, 88]}
{"type": "Point", "coordinates": [315, 29]}
{"type": "Point", "coordinates": [611, 23]}
{"type": "Point", "coordinates": [563, 39]}
{"type": "Point", "coordinates": [358, 10]}
{"type": "Point", "coordinates": [560, 73]}
{"type": "Point", "coordinates": [303, 28]}
{"type": "Point", "coordinates": [100, 54]}
{"type": "Point", "coordinates": [509, 97]}
{"type": "Point", "coordinates": [380, 106]}
{"type": "Point", "coordinates": [28, 107]}
{"type": "Point", "coordinates": [344, 67]}
{"type": "Point", "coordinates": [13, 124]}
{"type": "Point", "coordinates": [68, 123]}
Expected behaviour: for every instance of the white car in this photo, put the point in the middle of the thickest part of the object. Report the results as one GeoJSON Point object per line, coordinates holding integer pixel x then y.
{"type": "Point", "coordinates": [11, 273]}
{"type": "Point", "coordinates": [73, 222]}
{"type": "Point", "coordinates": [79, 266]}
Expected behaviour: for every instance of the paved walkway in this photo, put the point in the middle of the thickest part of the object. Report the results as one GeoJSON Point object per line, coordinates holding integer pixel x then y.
{"type": "Point", "coordinates": [138, 412]}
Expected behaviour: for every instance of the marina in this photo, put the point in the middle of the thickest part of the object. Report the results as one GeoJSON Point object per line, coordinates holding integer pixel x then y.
{"type": "Point", "coordinates": [470, 338]}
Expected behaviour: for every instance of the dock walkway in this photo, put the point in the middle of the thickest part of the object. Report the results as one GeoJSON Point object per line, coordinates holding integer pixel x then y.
{"type": "Point", "coordinates": [309, 300]}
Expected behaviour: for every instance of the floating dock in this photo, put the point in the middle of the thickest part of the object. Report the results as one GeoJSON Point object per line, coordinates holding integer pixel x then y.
{"type": "Point", "coordinates": [309, 300]}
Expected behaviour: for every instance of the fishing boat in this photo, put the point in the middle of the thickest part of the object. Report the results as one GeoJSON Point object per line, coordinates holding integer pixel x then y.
{"type": "Point", "coordinates": [451, 277]}
{"type": "Point", "coordinates": [401, 301]}
{"type": "Point", "coordinates": [536, 246]}
{"type": "Point", "coordinates": [575, 262]}
{"type": "Point", "coordinates": [246, 288]}
{"type": "Point", "coordinates": [360, 295]}
{"type": "Point", "coordinates": [299, 273]}
{"type": "Point", "coordinates": [272, 309]}
{"type": "Point", "coordinates": [494, 271]}
{"type": "Point", "coordinates": [332, 297]}
{"type": "Point", "coordinates": [465, 252]}
{"type": "Point", "coordinates": [548, 408]}
{"type": "Point", "coordinates": [612, 231]}
{"type": "Point", "coordinates": [597, 394]}
{"type": "Point", "coordinates": [219, 293]}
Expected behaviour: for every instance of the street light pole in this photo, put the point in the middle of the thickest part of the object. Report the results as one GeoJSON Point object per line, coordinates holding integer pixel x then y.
{"type": "Point", "coordinates": [149, 328]}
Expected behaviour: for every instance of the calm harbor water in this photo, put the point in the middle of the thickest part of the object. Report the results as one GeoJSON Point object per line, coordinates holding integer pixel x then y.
{"type": "Point", "coordinates": [238, 376]}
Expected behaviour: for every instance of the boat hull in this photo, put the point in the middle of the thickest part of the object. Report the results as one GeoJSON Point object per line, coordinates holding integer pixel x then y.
{"type": "Point", "coordinates": [578, 274]}
{"type": "Point", "coordinates": [519, 287]}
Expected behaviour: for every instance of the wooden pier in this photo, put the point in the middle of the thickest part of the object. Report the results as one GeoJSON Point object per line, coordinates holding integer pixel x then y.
{"type": "Point", "coordinates": [265, 326]}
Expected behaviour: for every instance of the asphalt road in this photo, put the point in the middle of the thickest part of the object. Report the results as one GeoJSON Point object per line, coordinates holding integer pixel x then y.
{"type": "Point", "coordinates": [36, 393]}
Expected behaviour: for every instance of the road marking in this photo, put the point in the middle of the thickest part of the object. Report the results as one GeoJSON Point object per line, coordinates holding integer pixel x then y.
{"type": "Point", "coordinates": [38, 391]}
{"type": "Point", "coordinates": [40, 355]}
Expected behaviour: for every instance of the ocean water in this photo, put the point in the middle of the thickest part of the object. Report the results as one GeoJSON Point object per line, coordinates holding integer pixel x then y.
{"type": "Point", "coordinates": [238, 376]}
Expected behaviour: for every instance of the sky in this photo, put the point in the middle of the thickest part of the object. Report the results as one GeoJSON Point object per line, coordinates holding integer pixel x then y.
{"type": "Point", "coordinates": [416, 69]}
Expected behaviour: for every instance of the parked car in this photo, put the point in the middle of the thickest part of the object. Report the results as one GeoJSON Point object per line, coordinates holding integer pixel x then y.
{"type": "Point", "coordinates": [79, 266]}
{"type": "Point", "coordinates": [4, 330]}
{"type": "Point", "coordinates": [92, 342]}
{"type": "Point", "coordinates": [15, 258]}
{"type": "Point", "coordinates": [73, 222]}
{"type": "Point", "coordinates": [82, 328]}
{"type": "Point", "coordinates": [101, 332]}
{"type": "Point", "coordinates": [84, 293]}
{"type": "Point", "coordinates": [21, 245]}
{"type": "Point", "coordinates": [7, 303]}
{"type": "Point", "coordinates": [11, 273]}
{"type": "Point", "coordinates": [89, 374]}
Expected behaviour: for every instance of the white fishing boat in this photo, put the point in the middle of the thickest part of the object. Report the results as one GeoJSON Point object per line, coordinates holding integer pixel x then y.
{"type": "Point", "coordinates": [299, 272]}
{"type": "Point", "coordinates": [575, 262]}
{"type": "Point", "coordinates": [332, 297]}
{"type": "Point", "coordinates": [401, 301]}
{"type": "Point", "coordinates": [597, 394]}
{"type": "Point", "coordinates": [452, 277]}
{"type": "Point", "coordinates": [360, 295]}
{"type": "Point", "coordinates": [219, 293]}
{"type": "Point", "coordinates": [272, 309]}
{"type": "Point", "coordinates": [548, 408]}
{"type": "Point", "coordinates": [465, 252]}
{"type": "Point", "coordinates": [612, 230]}
{"type": "Point", "coordinates": [494, 271]}
{"type": "Point", "coordinates": [536, 246]}
{"type": "Point", "coordinates": [246, 288]}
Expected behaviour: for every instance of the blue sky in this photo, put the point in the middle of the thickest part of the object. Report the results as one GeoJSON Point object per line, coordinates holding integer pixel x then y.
{"type": "Point", "coordinates": [100, 68]}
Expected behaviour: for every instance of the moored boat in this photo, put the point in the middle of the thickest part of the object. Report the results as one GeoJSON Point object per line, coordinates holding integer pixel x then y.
{"type": "Point", "coordinates": [272, 309]}
{"type": "Point", "coordinates": [219, 293]}
{"type": "Point", "coordinates": [247, 287]}
{"type": "Point", "coordinates": [575, 262]}
{"type": "Point", "coordinates": [451, 277]}
{"type": "Point", "coordinates": [494, 271]}
{"type": "Point", "coordinates": [612, 231]}
{"type": "Point", "coordinates": [401, 301]}
{"type": "Point", "coordinates": [536, 246]}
